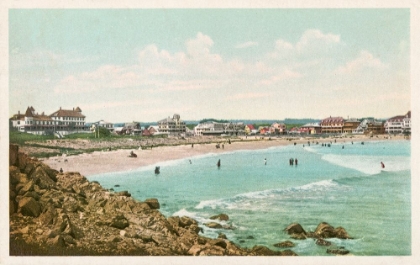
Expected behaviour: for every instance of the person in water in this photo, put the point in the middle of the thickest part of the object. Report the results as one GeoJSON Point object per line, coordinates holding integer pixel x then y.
{"type": "Point", "coordinates": [296, 161]}
{"type": "Point", "coordinates": [382, 165]}
{"type": "Point", "coordinates": [265, 161]}
{"type": "Point", "coordinates": [218, 163]}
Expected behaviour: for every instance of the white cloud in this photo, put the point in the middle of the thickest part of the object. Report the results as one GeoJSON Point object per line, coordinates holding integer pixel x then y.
{"type": "Point", "coordinates": [246, 45]}
{"type": "Point", "coordinates": [365, 60]}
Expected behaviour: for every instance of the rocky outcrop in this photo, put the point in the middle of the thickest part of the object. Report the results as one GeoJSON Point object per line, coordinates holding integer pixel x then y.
{"type": "Point", "coordinates": [221, 217]}
{"type": "Point", "coordinates": [324, 230]}
{"type": "Point", "coordinates": [285, 244]}
{"type": "Point", "coordinates": [54, 213]}
{"type": "Point", "coordinates": [296, 231]}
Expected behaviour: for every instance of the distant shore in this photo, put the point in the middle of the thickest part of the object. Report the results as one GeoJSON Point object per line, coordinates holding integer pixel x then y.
{"type": "Point", "coordinates": [118, 160]}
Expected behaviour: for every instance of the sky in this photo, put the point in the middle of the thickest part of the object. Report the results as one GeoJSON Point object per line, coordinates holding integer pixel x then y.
{"type": "Point", "coordinates": [144, 65]}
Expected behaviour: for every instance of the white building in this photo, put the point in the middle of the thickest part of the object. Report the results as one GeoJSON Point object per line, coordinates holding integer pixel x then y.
{"type": "Point", "coordinates": [61, 122]}
{"type": "Point", "coordinates": [218, 128]}
{"type": "Point", "coordinates": [398, 124]}
{"type": "Point", "coordinates": [172, 126]}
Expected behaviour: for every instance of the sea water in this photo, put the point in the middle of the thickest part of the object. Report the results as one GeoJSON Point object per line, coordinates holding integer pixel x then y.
{"type": "Point", "coordinates": [343, 185]}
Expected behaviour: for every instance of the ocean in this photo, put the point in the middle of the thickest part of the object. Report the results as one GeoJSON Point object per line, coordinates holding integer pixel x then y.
{"type": "Point", "coordinates": [343, 185]}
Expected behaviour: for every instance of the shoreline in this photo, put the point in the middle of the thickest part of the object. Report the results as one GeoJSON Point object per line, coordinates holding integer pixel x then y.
{"type": "Point", "coordinates": [100, 162]}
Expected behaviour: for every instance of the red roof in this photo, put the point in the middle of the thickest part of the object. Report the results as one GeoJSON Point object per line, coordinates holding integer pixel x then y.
{"type": "Point", "coordinates": [251, 127]}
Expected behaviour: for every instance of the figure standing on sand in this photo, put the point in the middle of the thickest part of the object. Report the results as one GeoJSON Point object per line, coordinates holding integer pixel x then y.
{"type": "Point", "coordinates": [61, 170]}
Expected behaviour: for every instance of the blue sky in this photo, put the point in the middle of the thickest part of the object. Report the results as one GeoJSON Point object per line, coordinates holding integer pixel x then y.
{"type": "Point", "coordinates": [147, 64]}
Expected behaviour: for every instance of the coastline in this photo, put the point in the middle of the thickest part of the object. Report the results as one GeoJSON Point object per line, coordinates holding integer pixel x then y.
{"type": "Point", "coordinates": [119, 161]}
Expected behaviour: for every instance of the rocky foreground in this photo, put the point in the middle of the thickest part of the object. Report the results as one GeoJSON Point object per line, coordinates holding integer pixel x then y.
{"type": "Point", "coordinates": [54, 213]}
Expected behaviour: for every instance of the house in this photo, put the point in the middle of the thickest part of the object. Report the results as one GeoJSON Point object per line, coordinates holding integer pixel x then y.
{"type": "Point", "coordinates": [263, 130]}
{"type": "Point", "coordinates": [249, 129]}
{"type": "Point", "coordinates": [105, 124]}
{"type": "Point", "coordinates": [332, 125]}
{"type": "Point", "coordinates": [61, 122]}
{"type": "Point", "coordinates": [278, 128]}
{"type": "Point", "coordinates": [210, 128]}
{"type": "Point", "coordinates": [172, 126]}
{"type": "Point", "coordinates": [153, 129]}
{"type": "Point", "coordinates": [350, 125]}
{"type": "Point", "coordinates": [375, 127]}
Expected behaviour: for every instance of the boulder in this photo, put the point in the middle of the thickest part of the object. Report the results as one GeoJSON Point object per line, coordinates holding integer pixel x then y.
{"type": "Point", "coordinates": [338, 251]}
{"type": "Point", "coordinates": [25, 188]}
{"type": "Point", "coordinates": [153, 203]}
{"type": "Point", "coordinates": [285, 244]}
{"type": "Point", "coordinates": [221, 217]}
{"type": "Point", "coordinates": [119, 222]}
{"type": "Point", "coordinates": [324, 230]}
{"type": "Point", "coordinates": [218, 242]}
{"type": "Point", "coordinates": [295, 228]}
{"type": "Point", "coordinates": [123, 193]}
{"type": "Point", "coordinates": [322, 242]}
{"type": "Point", "coordinates": [185, 221]}
{"type": "Point", "coordinates": [222, 236]}
{"type": "Point", "coordinates": [264, 251]}
{"type": "Point", "coordinates": [42, 179]}
{"type": "Point", "coordinates": [29, 206]}
{"type": "Point", "coordinates": [214, 225]}
{"type": "Point", "coordinates": [342, 233]}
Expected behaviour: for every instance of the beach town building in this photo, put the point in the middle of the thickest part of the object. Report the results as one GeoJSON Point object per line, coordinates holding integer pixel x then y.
{"type": "Point", "coordinates": [310, 128]}
{"type": "Point", "coordinates": [407, 123]}
{"type": "Point", "coordinates": [61, 122]}
{"type": "Point", "coordinates": [278, 128]}
{"type": "Point", "coordinates": [398, 124]}
{"type": "Point", "coordinates": [332, 125]}
{"type": "Point", "coordinates": [172, 126]}
{"type": "Point", "coordinates": [375, 127]}
{"type": "Point", "coordinates": [104, 124]}
{"type": "Point", "coordinates": [350, 125]}
{"type": "Point", "coordinates": [250, 129]}
{"type": "Point", "coordinates": [219, 128]}
{"type": "Point", "coordinates": [264, 130]}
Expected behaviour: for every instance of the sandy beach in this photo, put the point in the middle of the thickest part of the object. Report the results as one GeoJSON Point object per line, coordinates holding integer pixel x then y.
{"type": "Point", "coordinates": [118, 160]}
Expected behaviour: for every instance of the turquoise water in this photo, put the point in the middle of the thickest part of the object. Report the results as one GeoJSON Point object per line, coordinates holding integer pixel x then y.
{"type": "Point", "coordinates": [342, 186]}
